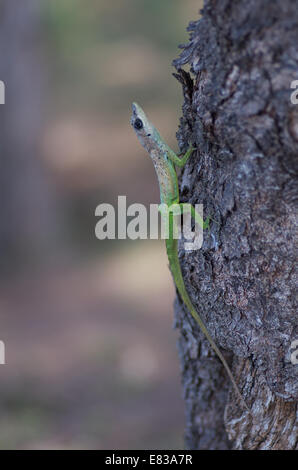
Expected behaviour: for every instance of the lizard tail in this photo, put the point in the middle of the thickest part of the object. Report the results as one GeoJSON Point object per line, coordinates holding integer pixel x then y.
{"type": "Point", "coordinates": [172, 253]}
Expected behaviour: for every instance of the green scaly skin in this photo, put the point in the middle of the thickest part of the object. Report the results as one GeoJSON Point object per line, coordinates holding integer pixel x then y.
{"type": "Point", "coordinates": [164, 160]}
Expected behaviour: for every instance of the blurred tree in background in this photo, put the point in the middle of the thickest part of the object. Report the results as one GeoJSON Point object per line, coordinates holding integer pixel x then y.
{"type": "Point", "coordinates": [29, 210]}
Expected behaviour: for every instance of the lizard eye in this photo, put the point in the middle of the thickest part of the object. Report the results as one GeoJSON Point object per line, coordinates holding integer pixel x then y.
{"type": "Point", "coordinates": [138, 124]}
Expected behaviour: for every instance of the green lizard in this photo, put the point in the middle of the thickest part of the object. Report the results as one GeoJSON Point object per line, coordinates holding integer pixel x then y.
{"type": "Point", "coordinates": [164, 160]}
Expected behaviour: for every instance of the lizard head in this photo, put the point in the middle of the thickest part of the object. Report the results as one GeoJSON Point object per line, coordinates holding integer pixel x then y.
{"type": "Point", "coordinates": [143, 128]}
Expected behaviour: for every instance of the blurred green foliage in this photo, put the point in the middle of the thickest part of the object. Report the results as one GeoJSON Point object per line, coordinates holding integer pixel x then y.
{"type": "Point", "coordinates": [84, 36]}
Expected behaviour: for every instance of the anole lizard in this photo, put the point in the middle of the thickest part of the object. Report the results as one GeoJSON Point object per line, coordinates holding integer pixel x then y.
{"type": "Point", "coordinates": [164, 160]}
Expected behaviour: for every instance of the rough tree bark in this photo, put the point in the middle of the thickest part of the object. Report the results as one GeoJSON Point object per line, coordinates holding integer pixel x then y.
{"type": "Point", "coordinates": [237, 111]}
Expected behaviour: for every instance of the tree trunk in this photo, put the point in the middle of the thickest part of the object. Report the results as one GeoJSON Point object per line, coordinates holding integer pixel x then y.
{"type": "Point", "coordinates": [238, 112]}
{"type": "Point", "coordinates": [28, 207]}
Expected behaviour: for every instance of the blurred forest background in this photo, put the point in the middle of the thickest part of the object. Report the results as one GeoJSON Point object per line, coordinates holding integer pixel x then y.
{"type": "Point", "coordinates": [87, 324]}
